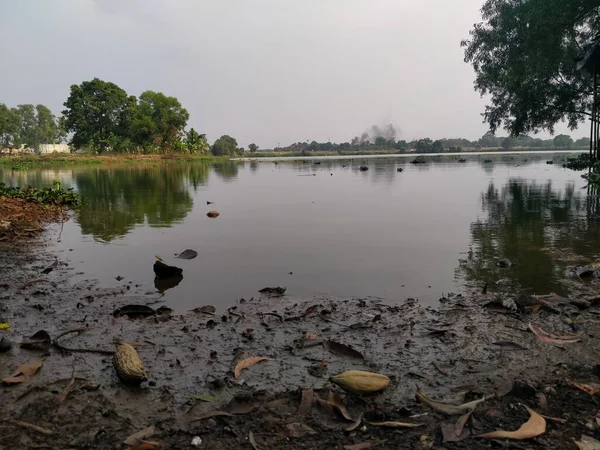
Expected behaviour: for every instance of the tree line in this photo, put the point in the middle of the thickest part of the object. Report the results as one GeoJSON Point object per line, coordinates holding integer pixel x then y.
{"type": "Point", "coordinates": [427, 145]}
{"type": "Point", "coordinates": [30, 125]}
{"type": "Point", "coordinates": [101, 117]}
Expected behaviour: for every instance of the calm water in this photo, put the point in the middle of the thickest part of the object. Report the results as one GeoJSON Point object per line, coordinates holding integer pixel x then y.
{"type": "Point", "coordinates": [342, 232]}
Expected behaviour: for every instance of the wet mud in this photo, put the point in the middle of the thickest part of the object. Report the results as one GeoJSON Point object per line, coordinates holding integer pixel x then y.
{"type": "Point", "coordinates": [467, 346]}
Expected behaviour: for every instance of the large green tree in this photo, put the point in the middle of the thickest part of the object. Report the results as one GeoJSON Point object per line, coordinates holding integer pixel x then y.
{"type": "Point", "coordinates": [48, 127]}
{"type": "Point", "coordinates": [563, 141]}
{"type": "Point", "coordinates": [159, 120]}
{"type": "Point", "coordinates": [224, 146]}
{"type": "Point", "coordinates": [9, 125]}
{"type": "Point", "coordinates": [525, 55]}
{"type": "Point", "coordinates": [98, 113]}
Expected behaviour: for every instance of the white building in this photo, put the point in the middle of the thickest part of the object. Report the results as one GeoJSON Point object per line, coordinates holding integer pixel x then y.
{"type": "Point", "coordinates": [44, 149]}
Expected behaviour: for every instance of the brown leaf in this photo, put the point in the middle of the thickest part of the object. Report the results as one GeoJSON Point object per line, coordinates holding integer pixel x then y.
{"type": "Point", "coordinates": [588, 443]}
{"type": "Point", "coordinates": [297, 430]}
{"type": "Point", "coordinates": [555, 419]}
{"type": "Point", "coordinates": [461, 422]}
{"type": "Point", "coordinates": [591, 388]}
{"type": "Point", "coordinates": [23, 373]}
{"type": "Point", "coordinates": [63, 395]}
{"type": "Point", "coordinates": [542, 401]}
{"type": "Point", "coordinates": [356, 423]}
{"type": "Point", "coordinates": [448, 408]}
{"type": "Point", "coordinates": [145, 446]}
{"type": "Point", "coordinates": [449, 433]}
{"type": "Point", "coordinates": [30, 426]}
{"type": "Point", "coordinates": [209, 414]}
{"type": "Point", "coordinates": [535, 426]}
{"type": "Point", "coordinates": [244, 364]}
{"type": "Point", "coordinates": [252, 440]}
{"type": "Point", "coordinates": [544, 336]}
{"type": "Point", "coordinates": [364, 445]}
{"type": "Point", "coordinates": [207, 309]}
{"type": "Point", "coordinates": [308, 396]}
{"type": "Point", "coordinates": [395, 424]}
{"type": "Point", "coordinates": [338, 403]}
{"type": "Point", "coordinates": [310, 310]}
{"type": "Point", "coordinates": [342, 350]}
{"type": "Point", "coordinates": [140, 436]}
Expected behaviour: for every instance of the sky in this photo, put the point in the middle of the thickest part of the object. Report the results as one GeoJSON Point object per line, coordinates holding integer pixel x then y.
{"type": "Point", "coordinates": [271, 72]}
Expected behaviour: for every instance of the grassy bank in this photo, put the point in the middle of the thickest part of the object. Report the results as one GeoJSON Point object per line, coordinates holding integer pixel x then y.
{"type": "Point", "coordinates": [66, 160]}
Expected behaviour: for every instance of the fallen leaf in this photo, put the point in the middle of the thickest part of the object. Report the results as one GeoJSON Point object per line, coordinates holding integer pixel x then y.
{"type": "Point", "coordinates": [535, 426]}
{"type": "Point", "coordinates": [245, 363]}
{"type": "Point", "coordinates": [23, 373]}
{"type": "Point", "coordinates": [30, 426]}
{"type": "Point", "coordinates": [297, 430]}
{"type": "Point", "coordinates": [4, 326]}
{"type": "Point", "coordinates": [142, 435]}
{"type": "Point", "coordinates": [252, 440]}
{"type": "Point", "coordinates": [63, 395]}
{"type": "Point", "coordinates": [544, 336]}
{"type": "Point", "coordinates": [448, 408]}
{"type": "Point", "coordinates": [203, 398]}
{"type": "Point", "coordinates": [206, 309]}
{"type": "Point", "coordinates": [364, 445]}
{"type": "Point", "coordinates": [145, 446]}
{"type": "Point", "coordinates": [310, 310]}
{"type": "Point", "coordinates": [209, 414]}
{"type": "Point", "coordinates": [356, 423]}
{"type": "Point", "coordinates": [395, 424]}
{"type": "Point", "coordinates": [542, 400]}
{"type": "Point", "coordinates": [342, 349]}
{"type": "Point", "coordinates": [461, 422]}
{"type": "Point", "coordinates": [591, 388]}
{"type": "Point", "coordinates": [449, 433]}
{"type": "Point", "coordinates": [338, 403]}
{"type": "Point", "coordinates": [308, 396]}
{"type": "Point", "coordinates": [587, 443]}
{"type": "Point", "coordinates": [555, 419]}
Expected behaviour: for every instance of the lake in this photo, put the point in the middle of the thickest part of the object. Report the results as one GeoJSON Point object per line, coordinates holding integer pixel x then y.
{"type": "Point", "coordinates": [328, 229]}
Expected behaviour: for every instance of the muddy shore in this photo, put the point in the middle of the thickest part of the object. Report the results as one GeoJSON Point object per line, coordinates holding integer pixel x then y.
{"type": "Point", "coordinates": [466, 344]}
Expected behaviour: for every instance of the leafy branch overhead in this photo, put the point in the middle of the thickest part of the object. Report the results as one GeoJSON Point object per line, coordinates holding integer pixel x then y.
{"type": "Point", "coordinates": [525, 55]}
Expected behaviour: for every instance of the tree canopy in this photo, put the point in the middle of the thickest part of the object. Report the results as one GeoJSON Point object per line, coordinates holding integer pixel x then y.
{"type": "Point", "coordinates": [525, 55]}
{"type": "Point", "coordinates": [29, 125]}
{"type": "Point", "coordinates": [224, 146]}
{"type": "Point", "coordinates": [159, 119]}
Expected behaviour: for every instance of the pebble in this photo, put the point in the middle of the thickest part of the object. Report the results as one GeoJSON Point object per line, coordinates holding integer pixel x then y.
{"type": "Point", "coordinates": [196, 442]}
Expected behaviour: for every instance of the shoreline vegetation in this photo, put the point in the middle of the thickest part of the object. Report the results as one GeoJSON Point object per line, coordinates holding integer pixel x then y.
{"type": "Point", "coordinates": [26, 162]}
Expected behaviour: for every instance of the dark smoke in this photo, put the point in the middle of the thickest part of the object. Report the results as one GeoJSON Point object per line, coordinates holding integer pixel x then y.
{"type": "Point", "coordinates": [387, 131]}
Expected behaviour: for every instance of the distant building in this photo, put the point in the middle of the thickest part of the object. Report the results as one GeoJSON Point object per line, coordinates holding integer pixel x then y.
{"type": "Point", "coordinates": [44, 149]}
{"type": "Point", "coordinates": [16, 150]}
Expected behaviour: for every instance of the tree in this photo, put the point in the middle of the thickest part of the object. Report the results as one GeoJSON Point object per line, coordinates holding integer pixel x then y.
{"type": "Point", "coordinates": [508, 143]}
{"type": "Point", "coordinates": [196, 142]}
{"type": "Point", "coordinates": [224, 146]}
{"type": "Point", "coordinates": [424, 145]}
{"type": "Point", "coordinates": [563, 141]}
{"type": "Point", "coordinates": [583, 142]}
{"type": "Point", "coordinates": [27, 125]}
{"type": "Point", "coordinates": [437, 146]}
{"type": "Point", "coordinates": [489, 140]}
{"type": "Point", "coordinates": [381, 142]}
{"type": "Point", "coordinates": [253, 148]}
{"type": "Point", "coordinates": [98, 113]}
{"type": "Point", "coordinates": [48, 130]}
{"type": "Point", "coordinates": [9, 125]}
{"type": "Point", "coordinates": [158, 120]}
{"type": "Point", "coordinates": [525, 57]}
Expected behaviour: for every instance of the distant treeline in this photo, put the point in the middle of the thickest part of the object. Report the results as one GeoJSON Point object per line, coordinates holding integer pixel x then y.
{"type": "Point", "coordinates": [427, 145]}
{"type": "Point", "coordinates": [100, 117]}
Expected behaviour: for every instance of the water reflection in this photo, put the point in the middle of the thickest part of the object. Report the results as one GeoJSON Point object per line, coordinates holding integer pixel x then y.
{"type": "Point", "coordinates": [529, 223]}
{"type": "Point", "coordinates": [114, 201]}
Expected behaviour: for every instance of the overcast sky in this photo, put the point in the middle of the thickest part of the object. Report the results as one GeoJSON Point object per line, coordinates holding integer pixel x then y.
{"type": "Point", "coordinates": [264, 71]}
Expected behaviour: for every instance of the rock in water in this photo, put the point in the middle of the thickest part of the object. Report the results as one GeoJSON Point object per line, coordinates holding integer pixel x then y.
{"type": "Point", "coordinates": [162, 270]}
{"type": "Point", "coordinates": [213, 214]}
{"type": "Point", "coordinates": [187, 254]}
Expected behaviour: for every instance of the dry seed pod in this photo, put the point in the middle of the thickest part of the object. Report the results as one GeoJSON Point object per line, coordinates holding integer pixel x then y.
{"type": "Point", "coordinates": [128, 364]}
{"type": "Point", "coordinates": [359, 382]}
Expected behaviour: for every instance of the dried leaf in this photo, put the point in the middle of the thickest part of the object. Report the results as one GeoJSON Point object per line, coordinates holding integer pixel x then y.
{"type": "Point", "coordinates": [308, 396]}
{"type": "Point", "coordinates": [356, 423]}
{"type": "Point", "coordinates": [449, 433]}
{"type": "Point", "coordinates": [310, 310]}
{"type": "Point", "coordinates": [23, 373]}
{"type": "Point", "coordinates": [535, 426]}
{"type": "Point", "coordinates": [448, 408]}
{"type": "Point", "coordinates": [209, 414]}
{"type": "Point", "coordinates": [297, 430]}
{"type": "Point", "coordinates": [588, 443]}
{"type": "Point", "coordinates": [145, 446]}
{"type": "Point", "coordinates": [203, 398]}
{"type": "Point", "coordinates": [342, 350]}
{"type": "Point", "coordinates": [30, 426]}
{"type": "Point", "coordinates": [245, 363]}
{"type": "Point", "coordinates": [395, 424]}
{"type": "Point", "coordinates": [338, 403]}
{"type": "Point", "coordinates": [140, 436]}
{"type": "Point", "coordinates": [364, 445]}
{"type": "Point", "coordinates": [544, 336]}
{"type": "Point", "coordinates": [461, 422]}
{"type": "Point", "coordinates": [252, 440]}
{"type": "Point", "coordinates": [591, 388]}
{"type": "Point", "coordinates": [206, 309]}
{"type": "Point", "coordinates": [63, 395]}
{"type": "Point", "coordinates": [555, 419]}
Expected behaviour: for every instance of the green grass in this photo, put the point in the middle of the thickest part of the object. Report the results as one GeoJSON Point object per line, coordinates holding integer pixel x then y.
{"type": "Point", "coordinates": [55, 195]}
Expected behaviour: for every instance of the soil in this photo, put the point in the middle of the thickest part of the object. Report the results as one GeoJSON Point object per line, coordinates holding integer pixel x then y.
{"type": "Point", "coordinates": [460, 346]}
{"type": "Point", "coordinates": [20, 219]}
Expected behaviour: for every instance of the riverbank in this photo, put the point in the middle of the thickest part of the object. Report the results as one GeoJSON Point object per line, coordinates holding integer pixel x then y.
{"type": "Point", "coordinates": [26, 162]}
{"type": "Point", "coordinates": [467, 347]}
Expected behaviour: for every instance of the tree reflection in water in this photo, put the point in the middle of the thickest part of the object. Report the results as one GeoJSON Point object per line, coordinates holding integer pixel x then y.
{"type": "Point", "coordinates": [536, 227]}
